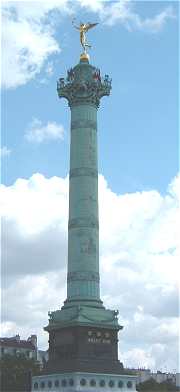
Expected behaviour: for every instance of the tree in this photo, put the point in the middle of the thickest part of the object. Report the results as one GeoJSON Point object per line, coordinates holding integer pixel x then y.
{"type": "Point", "coordinates": [151, 385]}
{"type": "Point", "coordinates": [16, 372]}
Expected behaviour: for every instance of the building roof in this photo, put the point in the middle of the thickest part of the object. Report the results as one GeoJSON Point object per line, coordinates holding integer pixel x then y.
{"type": "Point", "coordinates": [13, 342]}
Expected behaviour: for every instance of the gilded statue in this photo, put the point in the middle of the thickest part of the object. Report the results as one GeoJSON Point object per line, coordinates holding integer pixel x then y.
{"type": "Point", "coordinates": [83, 28]}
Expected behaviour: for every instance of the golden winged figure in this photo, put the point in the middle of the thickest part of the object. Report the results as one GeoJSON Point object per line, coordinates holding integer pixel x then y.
{"type": "Point", "coordinates": [83, 28]}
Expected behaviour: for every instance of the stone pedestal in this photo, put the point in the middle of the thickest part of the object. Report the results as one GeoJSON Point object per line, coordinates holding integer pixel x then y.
{"type": "Point", "coordinates": [84, 348]}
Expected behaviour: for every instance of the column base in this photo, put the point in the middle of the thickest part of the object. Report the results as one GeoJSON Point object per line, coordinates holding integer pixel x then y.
{"type": "Point", "coordinates": [85, 382]}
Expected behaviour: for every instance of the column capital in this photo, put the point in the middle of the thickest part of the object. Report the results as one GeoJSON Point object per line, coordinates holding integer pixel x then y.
{"type": "Point", "coordinates": [84, 85]}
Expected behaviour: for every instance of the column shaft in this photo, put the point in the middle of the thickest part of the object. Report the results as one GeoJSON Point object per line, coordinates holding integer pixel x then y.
{"type": "Point", "coordinates": [83, 228]}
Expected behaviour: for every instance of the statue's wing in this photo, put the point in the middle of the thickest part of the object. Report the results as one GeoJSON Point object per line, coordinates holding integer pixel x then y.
{"type": "Point", "coordinates": [90, 25]}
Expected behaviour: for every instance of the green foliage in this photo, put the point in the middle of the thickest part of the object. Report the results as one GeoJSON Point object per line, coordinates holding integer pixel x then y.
{"type": "Point", "coordinates": [151, 385]}
{"type": "Point", "coordinates": [16, 373]}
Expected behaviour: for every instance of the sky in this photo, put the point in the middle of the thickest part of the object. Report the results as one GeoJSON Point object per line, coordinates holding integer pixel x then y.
{"type": "Point", "coordinates": [136, 43]}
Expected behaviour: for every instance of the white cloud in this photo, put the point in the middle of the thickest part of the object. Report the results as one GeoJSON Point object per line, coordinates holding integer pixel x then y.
{"type": "Point", "coordinates": [31, 212]}
{"type": "Point", "coordinates": [4, 151]}
{"type": "Point", "coordinates": [28, 31]}
{"type": "Point", "coordinates": [92, 5]}
{"type": "Point", "coordinates": [139, 356]}
{"type": "Point", "coordinates": [39, 133]}
{"type": "Point", "coordinates": [49, 68]}
{"type": "Point", "coordinates": [138, 258]}
{"type": "Point", "coordinates": [123, 12]}
{"type": "Point", "coordinates": [27, 42]}
{"type": "Point", "coordinates": [142, 232]}
{"type": "Point", "coordinates": [156, 23]}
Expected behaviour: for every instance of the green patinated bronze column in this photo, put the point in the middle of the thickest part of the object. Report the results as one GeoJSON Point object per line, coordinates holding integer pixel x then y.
{"type": "Point", "coordinates": [83, 333]}
{"type": "Point", "coordinates": [83, 89]}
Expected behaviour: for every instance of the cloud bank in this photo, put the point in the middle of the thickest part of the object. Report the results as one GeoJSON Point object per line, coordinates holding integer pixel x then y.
{"type": "Point", "coordinates": [138, 260]}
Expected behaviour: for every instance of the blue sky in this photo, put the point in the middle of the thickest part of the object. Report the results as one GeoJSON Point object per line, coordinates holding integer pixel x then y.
{"type": "Point", "coordinates": [136, 43]}
{"type": "Point", "coordinates": [138, 123]}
